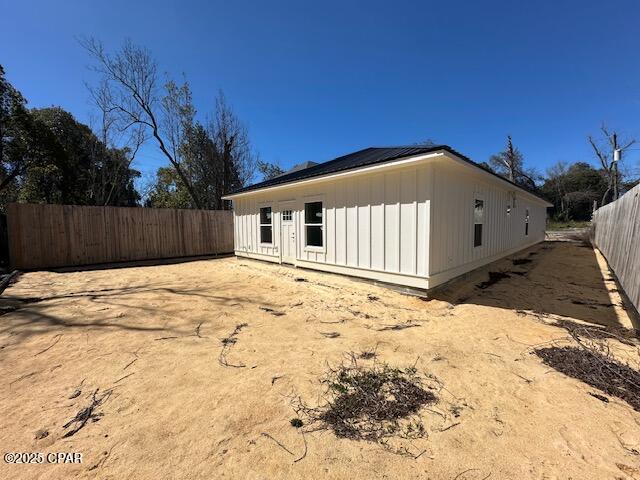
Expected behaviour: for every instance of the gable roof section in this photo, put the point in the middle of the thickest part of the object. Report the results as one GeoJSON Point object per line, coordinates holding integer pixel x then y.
{"type": "Point", "coordinates": [364, 158]}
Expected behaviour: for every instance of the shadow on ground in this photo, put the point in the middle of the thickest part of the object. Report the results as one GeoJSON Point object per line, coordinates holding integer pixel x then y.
{"type": "Point", "coordinates": [557, 278]}
{"type": "Point", "coordinates": [146, 307]}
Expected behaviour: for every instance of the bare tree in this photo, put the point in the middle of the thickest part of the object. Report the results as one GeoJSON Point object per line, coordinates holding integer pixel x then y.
{"type": "Point", "coordinates": [237, 161]}
{"type": "Point", "coordinates": [604, 151]}
{"type": "Point", "coordinates": [510, 164]}
{"type": "Point", "coordinates": [114, 135]}
{"type": "Point", "coordinates": [556, 177]}
{"type": "Point", "coordinates": [130, 79]}
{"type": "Point", "coordinates": [509, 161]}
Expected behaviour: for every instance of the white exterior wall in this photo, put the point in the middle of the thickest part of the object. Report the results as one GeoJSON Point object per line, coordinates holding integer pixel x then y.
{"type": "Point", "coordinates": [410, 224]}
{"type": "Point", "coordinates": [375, 225]}
{"type": "Point", "coordinates": [452, 249]}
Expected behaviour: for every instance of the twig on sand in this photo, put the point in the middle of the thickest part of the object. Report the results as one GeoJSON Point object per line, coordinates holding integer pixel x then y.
{"type": "Point", "coordinates": [57, 339]}
{"type": "Point", "coordinates": [165, 338]}
{"type": "Point", "coordinates": [23, 377]}
{"type": "Point", "coordinates": [493, 354]}
{"type": "Point", "coordinates": [227, 343]}
{"type": "Point", "coordinates": [86, 414]}
{"type": "Point", "coordinates": [397, 326]}
{"type": "Point", "coordinates": [273, 312]}
{"type": "Point", "coordinates": [449, 427]}
{"type": "Point", "coordinates": [304, 439]}
{"type": "Point", "coordinates": [78, 391]}
{"type": "Point", "coordinates": [528, 380]}
{"type": "Point", "coordinates": [130, 363]}
{"type": "Point", "coordinates": [329, 334]}
{"type": "Point", "coordinates": [197, 331]}
{"type": "Point", "coordinates": [465, 471]}
{"type": "Point", "coordinates": [122, 378]}
{"type": "Point", "coordinates": [305, 449]}
{"type": "Point", "coordinates": [264, 434]}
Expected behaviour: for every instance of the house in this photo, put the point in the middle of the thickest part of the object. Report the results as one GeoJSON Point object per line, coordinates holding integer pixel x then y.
{"type": "Point", "coordinates": [411, 216]}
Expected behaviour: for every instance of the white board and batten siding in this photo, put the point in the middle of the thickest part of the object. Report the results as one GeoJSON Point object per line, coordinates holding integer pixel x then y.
{"type": "Point", "coordinates": [411, 224]}
{"type": "Point", "coordinates": [375, 226]}
{"type": "Point", "coordinates": [504, 222]}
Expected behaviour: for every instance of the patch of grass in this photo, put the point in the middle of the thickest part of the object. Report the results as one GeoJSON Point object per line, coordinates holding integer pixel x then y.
{"type": "Point", "coordinates": [557, 225]}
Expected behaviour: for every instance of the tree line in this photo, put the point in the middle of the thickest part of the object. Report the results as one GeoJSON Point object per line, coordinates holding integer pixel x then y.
{"type": "Point", "coordinates": [572, 188]}
{"type": "Point", "coordinates": [46, 156]}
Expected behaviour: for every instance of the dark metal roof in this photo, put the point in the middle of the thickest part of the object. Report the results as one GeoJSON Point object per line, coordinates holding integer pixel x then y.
{"type": "Point", "coordinates": [362, 158]}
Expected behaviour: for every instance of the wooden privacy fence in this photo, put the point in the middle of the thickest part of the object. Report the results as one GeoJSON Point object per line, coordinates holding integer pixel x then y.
{"type": "Point", "coordinates": [617, 236]}
{"type": "Point", "coordinates": [44, 236]}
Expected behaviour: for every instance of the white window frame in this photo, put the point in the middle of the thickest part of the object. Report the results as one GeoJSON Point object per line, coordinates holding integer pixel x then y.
{"type": "Point", "coordinates": [477, 198]}
{"type": "Point", "coordinates": [260, 225]}
{"type": "Point", "coordinates": [313, 248]}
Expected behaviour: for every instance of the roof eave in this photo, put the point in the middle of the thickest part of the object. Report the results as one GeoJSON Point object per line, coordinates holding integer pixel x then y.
{"type": "Point", "coordinates": [464, 161]}
{"type": "Point", "coordinates": [446, 152]}
{"type": "Point", "coordinates": [351, 172]}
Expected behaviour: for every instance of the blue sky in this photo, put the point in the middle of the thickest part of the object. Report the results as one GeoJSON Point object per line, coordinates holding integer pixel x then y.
{"type": "Point", "coordinates": [314, 80]}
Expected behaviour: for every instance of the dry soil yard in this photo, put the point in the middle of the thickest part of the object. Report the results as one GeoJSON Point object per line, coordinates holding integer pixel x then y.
{"type": "Point", "coordinates": [194, 370]}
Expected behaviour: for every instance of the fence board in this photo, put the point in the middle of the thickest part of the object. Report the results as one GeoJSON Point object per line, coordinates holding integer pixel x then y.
{"type": "Point", "coordinates": [46, 236]}
{"type": "Point", "coordinates": [617, 236]}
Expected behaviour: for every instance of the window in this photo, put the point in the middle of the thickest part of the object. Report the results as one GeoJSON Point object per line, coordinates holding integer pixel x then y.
{"type": "Point", "coordinates": [287, 215]}
{"type": "Point", "coordinates": [526, 223]}
{"type": "Point", "coordinates": [478, 219]}
{"type": "Point", "coordinates": [313, 222]}
{"type": "Point", "coordinates": [266, 226]}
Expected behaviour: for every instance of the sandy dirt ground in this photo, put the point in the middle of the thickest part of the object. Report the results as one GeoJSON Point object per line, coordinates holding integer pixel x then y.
{"type": "Point", "coordinates": [152, 337]}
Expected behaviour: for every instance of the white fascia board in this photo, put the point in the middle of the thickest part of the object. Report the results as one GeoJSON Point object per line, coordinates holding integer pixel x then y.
{"type": "Point", "coordinates": [496, 178]}
{"type": "Point", "coordinates": [405, 161]}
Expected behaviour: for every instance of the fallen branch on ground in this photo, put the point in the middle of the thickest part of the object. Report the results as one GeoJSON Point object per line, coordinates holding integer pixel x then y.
{"type": "Point", "coordinates": [229, 342]}
{"type": "Point", "coordinates": [593, 363]}
{"type": "Point", "coordinates": [197, 331]}
{"type": "Point", "coordinates": [329, 334]}
{"type": "Point", "coordinates": [397, 326]}
{"type": "Point", "coordinates": [57, 339]}
{"type": "Point", "coordinates": [273, 312]}
{"type": "Point", "coordinates": [370, 403]}
{"type": "Point", "coordinates": [86, 414]}
{"type": "Point", "coordinates": [7, 280]}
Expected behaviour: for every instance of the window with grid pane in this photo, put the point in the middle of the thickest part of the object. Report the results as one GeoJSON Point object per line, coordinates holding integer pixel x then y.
{"type": "Point", "coordinates": [313, 224]}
